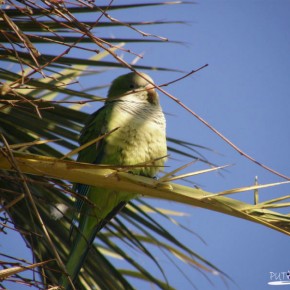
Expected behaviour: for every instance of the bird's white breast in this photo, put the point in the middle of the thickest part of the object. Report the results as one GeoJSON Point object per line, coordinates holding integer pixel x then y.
{"type": "Point", "coordinates": [140, 138]}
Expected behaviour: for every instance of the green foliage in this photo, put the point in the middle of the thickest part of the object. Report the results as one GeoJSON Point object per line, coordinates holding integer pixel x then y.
{"type": "Point", "coordinates": [49, 45]}
{"type": "Point", "coordinates": [45, 47]}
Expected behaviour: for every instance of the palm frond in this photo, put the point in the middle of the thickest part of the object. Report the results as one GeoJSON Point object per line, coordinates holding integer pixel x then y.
{"type": "Point", "coordinates": [108, 177]}
{"type": "Point", "coordinates": [46, 46]}
{"type": "Point", "coordinates": [40, 111]}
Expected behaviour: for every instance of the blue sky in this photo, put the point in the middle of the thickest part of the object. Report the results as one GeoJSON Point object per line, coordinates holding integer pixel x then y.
{"type": "Point", "coordinates": [244, 93]}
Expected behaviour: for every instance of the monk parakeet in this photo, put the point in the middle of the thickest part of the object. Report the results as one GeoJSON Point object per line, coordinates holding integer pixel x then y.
{"type": "Point", "coordinates": [132, 106]}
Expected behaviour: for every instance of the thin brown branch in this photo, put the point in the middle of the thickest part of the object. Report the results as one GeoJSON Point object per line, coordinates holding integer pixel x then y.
{"type": "Point", "coordinates": [13, 202]}
{"type": "Point", "coordinates": [23, 100]}
{"type": "Point", "coordinates": [234, 146]}
{"type": "Point", "coordinates": [94, 141]}
{"type": "Point", "coordinates": [184, 76]}
{"type": "Point", "coordinates": [22, 37]}
{"type": "Point", "coordinates": [145, 34]}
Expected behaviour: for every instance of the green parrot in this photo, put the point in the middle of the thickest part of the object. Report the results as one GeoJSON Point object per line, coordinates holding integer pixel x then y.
{"type": "Point", "coordinates": [132, 108]}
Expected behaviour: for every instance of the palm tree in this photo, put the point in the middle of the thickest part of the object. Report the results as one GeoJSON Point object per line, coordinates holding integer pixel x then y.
{"type": "Point", "coordinates": [45, 47]}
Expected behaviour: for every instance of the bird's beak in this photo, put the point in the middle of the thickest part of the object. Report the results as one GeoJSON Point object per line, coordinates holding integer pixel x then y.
{"type": "Point", "coordinates": [152, 94]}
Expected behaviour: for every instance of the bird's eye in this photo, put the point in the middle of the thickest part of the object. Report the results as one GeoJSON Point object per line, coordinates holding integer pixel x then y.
{"type": "Point", "coordinates": [132, 86]}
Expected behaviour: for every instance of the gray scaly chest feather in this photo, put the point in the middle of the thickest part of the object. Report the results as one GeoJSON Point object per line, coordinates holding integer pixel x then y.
{"type": "Point", "coordinates": [140, 136]}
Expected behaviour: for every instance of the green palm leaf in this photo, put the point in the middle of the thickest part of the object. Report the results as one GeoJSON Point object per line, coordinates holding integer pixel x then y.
{"type": "Point", "coordinates": [49, 45]}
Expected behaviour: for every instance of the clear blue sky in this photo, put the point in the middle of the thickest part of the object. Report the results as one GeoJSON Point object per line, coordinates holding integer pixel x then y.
{"type": "Point", "coordinates": [244, 93]}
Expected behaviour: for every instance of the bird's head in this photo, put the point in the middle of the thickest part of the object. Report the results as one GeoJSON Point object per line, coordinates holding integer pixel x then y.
{"type": "Point", "coordinates": [132, 84]}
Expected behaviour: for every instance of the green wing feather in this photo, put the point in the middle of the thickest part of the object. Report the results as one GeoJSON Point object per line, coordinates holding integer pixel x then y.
{"type": "Point", "coordinates": [91, 219]}
{"type": "Point", "coordinates": [95, 126]}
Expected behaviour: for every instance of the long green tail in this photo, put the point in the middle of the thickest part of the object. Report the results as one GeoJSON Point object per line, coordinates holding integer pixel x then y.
{"type": "Point", "coordinates": [87, 231]}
